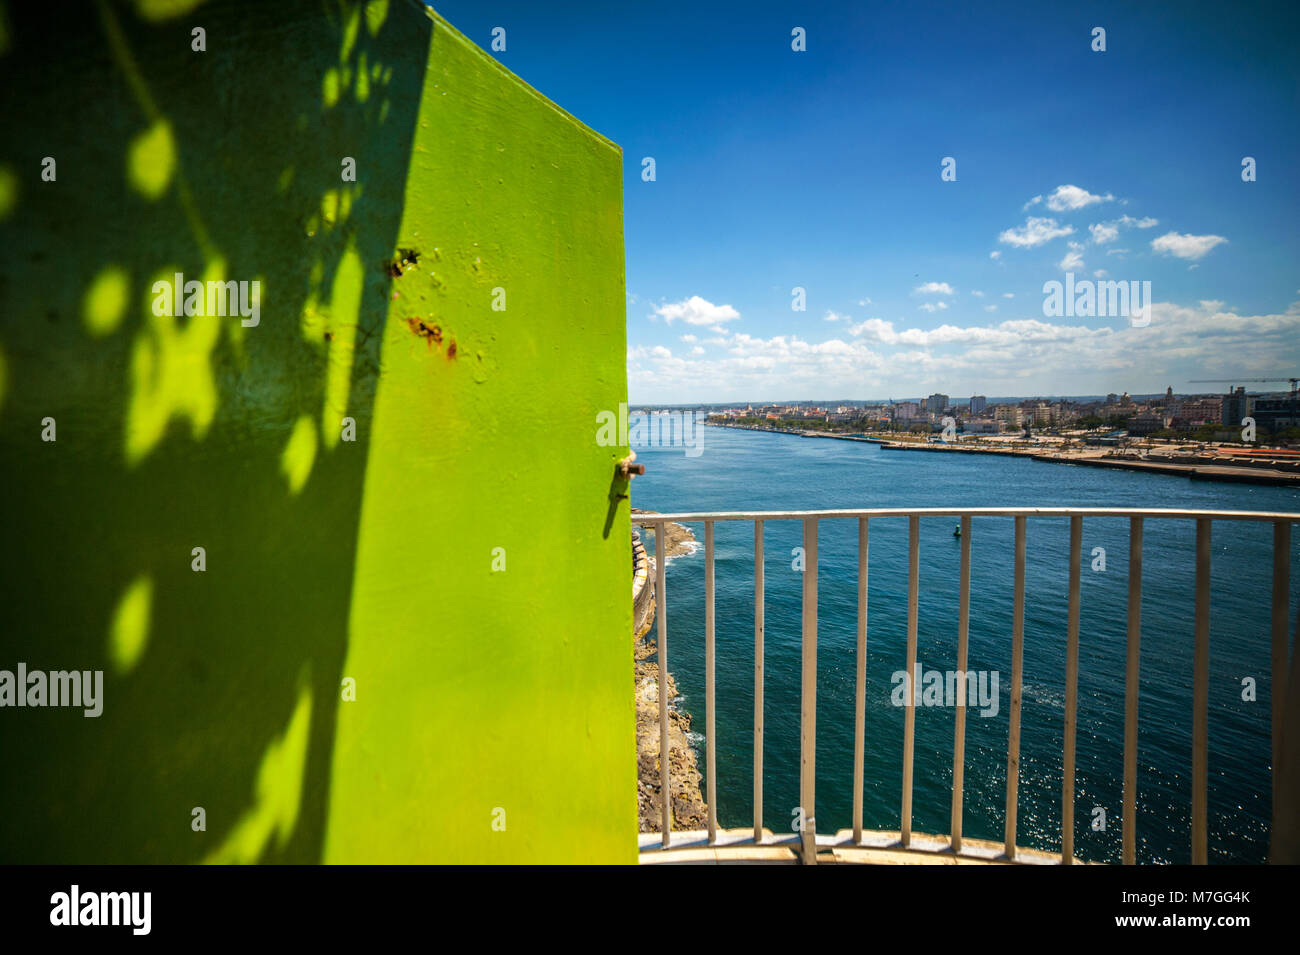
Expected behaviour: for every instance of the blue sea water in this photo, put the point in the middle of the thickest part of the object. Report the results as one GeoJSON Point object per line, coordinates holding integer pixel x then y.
{"type": "Point", "coordinates": [745, 470]}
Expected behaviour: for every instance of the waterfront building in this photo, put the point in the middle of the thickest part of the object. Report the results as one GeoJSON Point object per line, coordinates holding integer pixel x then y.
{"type": "Point", "coordinates": [1276, 412]}
{"type": "Point", "coordinates": [1236, 405]}
{"type": "Point", "coordinates": [1063, 413]}
{"type": "Point", "coordinates": [906, 411]}
{"type": "Point", "coordinates": [1009, 415]}
{"type": "Point", "coordinates": [1193, 413]}
{"type": "Point", "coordinates": [1148, 422]}
{"type": "Point", "coordinates": [978, 403]}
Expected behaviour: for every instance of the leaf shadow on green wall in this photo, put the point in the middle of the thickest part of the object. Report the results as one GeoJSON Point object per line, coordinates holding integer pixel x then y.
{"type": "Point", "coordinates": [221, 687]}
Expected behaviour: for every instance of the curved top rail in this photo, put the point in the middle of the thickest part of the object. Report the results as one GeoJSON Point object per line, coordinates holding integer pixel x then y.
{"type": "Point", "coordinates": [688, 517]}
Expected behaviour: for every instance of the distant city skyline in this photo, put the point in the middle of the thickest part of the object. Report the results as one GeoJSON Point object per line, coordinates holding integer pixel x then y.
{"type": "Point", "coordinates": [1196, 416]}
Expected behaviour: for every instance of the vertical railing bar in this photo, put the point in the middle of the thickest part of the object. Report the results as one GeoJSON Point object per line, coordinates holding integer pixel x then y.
{"type": "Point", "coordinates": [860, 702]}
{"type": "Point", "coordinates": [661, 550]}
{"type": "Point", "coordinates": [758, 681]}
{"type": "Point", "coordinates": [1071, 692]}
{"type": "Point", "coordinates": [959, 722]}
{"type": "Point", "coordinates": [1280, 662]}
{"type": "Point", "coordinates": [1017, 667]}
{"type": "Point", "coordinates": [661, 598]}
{"type": "Point", "coordinates": [1129, 855]}
{"type": "Point", "coordinates": [1201, 694]}
{"type": "Point", "coordinates": [710, 700]}
{"type": "Point", "coordinates": [909, 714]}
{"type": "Point", "coordinates": [808, 716]}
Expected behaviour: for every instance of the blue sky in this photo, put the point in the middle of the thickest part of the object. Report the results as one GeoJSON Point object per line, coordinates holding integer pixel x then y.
{"type": "Point", "coordinates": [821, 169]}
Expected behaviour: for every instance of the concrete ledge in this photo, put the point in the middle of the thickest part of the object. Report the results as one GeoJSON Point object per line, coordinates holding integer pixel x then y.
{"type": "Point", "coordinates": [878, 847]}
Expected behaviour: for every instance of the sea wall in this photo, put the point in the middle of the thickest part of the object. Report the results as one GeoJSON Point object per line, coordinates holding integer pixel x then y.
{"type": "Point", "coordinates": [351, 572]}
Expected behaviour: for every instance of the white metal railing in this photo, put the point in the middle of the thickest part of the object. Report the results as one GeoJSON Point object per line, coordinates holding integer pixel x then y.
{"type": "Point", "coordinates": [808, 707]}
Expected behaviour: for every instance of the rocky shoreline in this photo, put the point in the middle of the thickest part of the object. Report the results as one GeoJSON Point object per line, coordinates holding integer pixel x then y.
{"type": "Point", "coordinates": [680, 539]}
{"type": "Point", "coordinates": [688, 808]}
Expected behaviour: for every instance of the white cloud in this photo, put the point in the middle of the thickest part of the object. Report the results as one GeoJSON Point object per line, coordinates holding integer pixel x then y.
{"type": "Point", "coordinates": [690, 339]}
{"type": "Point", "coordinates": [876, 328]}
{"type": "Point", "coordinates": [1117, 251]}
{"type": "Point", "coordinates": [1186, 246]}
{"type": "Point", "coordinates": [1072, 198]}
{"type": "Point", "coordinates": [933, 306]}
{"type": "Point", "coordinates": [1006, 334]}
{"type": "Point", "coordinates": [933, 288]}
{"type": "Point", "coordinates": [990, 308]}
{"type": "Point", "coordinates": [697, 350]}
{"type": "Point", "coordinates": [864, 301]}
{"type": "Point", "coordinates": [1104, 232]}
{"type": "Point", "coordinates": [696, 311]}
{"type": "Point", "coordinates": [1073, 259]}
{"type": "Point", "coordinates": [1008, 294]}
{"type": "Point", "coordinates": [1020, 356]}
{"type": "Point", "coordinates": [646, 351]}
{"type": "Point", "coordinates": [995, 254]}
{"type": "Point", "coordinates": [977, 293]}
{"type": "Point", "coordinates": [835, 316]}
{"type": "Point", "coordinates": [1100, 274]}
{"type": "Point", "coordinates": [1035, 232]}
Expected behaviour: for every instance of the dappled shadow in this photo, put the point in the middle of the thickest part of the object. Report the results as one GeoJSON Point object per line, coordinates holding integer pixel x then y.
{"type": "Point", "coordinates": [221, 686]}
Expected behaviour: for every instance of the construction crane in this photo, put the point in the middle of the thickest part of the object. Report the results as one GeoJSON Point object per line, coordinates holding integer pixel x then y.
{"type": "Point", "coordinates": [1233, 381]}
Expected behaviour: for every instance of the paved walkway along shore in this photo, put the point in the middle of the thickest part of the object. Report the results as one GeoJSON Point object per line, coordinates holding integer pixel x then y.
{"type": "Point", "coordinates": [1200, 470]}
{"type": "Point", "coordinates": [1247, 474]}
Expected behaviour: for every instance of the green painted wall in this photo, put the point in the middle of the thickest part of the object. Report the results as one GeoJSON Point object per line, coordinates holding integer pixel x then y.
{"type": "Point", "coordinates": [476, 690]}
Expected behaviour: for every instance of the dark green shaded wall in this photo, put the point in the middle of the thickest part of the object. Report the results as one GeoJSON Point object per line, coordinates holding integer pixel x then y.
{"type": "Point", "coordinates": [482, 695]}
